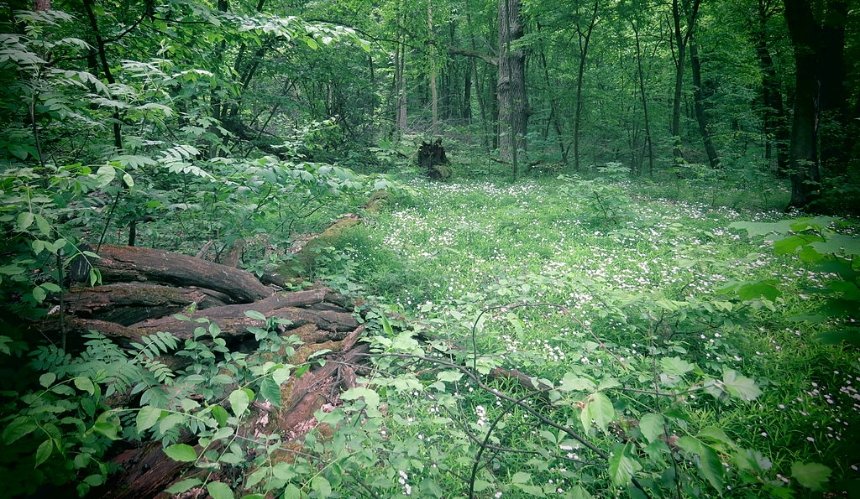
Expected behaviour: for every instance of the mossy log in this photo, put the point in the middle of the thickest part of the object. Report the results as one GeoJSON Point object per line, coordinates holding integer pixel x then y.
{"type": "Point", "coordinates": [126, 303]}
{"type": "Point", "coordinates": [128, 263]}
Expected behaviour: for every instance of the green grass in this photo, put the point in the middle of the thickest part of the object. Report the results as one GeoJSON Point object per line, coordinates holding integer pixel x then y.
{"type": "Point", "coordinates": [442, 252]}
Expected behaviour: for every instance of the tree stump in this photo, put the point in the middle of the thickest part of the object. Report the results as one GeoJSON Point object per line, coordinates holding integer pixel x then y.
{"type": "Point", "coordinates": [431, 158]}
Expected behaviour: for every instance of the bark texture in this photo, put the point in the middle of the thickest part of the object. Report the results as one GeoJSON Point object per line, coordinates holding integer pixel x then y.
{"type": "Point", "coordinates": [125, 263]}
{"type": "Point", "coordinates": [511, 85]}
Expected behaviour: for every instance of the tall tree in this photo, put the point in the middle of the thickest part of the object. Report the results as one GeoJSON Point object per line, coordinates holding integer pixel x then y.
{"type": "Point", "coordinates": [681, 10]}
{"type": "Point", "coordinates": [819, 93]}
{"type": "Point", "coordinates": [584, 29]}
{"type": "Point", "coordinates": [699, 105]}
{"type": "Point", "coordinates": [774, 119]}
{"type": "Point", "coordinates": [511, 85]}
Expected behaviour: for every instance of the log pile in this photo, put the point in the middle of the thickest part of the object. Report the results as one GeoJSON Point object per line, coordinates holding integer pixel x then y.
{"type": "Point", "coordinates": [143, 289]}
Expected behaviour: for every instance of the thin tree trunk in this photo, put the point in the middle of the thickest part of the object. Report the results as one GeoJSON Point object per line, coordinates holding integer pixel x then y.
{"type": "Point", "coordinates": [648, 140]}
{"type": "Point", "coordinates": [774, 115]}
{"type": "Point", "coordinates": [584, 41]}
{"type": "Point", "coordinates": [434, 97]}
{"type": "Point", "coordinates": [681, 37]}
{"type": "Point", "coordinates": [102, 54]}
{"type": "Point", "coordinates": [699, 105]}
{"type": "Point", "coordinates": [554, 113]}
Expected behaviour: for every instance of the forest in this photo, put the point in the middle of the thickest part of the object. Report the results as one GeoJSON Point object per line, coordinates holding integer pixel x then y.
{"type": "Point", "coordinates": [429, 248]}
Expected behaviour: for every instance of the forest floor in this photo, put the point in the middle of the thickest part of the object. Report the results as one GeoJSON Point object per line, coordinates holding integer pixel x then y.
{"type": "Point", "coordinates": [615, 279]}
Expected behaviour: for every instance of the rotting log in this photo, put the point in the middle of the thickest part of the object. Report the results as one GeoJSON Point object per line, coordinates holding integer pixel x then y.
{"type": "Point", "coordinates": [146, 471]}
{"type": "Point", "coordinates": [126, 303]}
{"type": "Point", "coordinates": [126, 263]}
{"type": "Point", "coordinates": [236, 322]}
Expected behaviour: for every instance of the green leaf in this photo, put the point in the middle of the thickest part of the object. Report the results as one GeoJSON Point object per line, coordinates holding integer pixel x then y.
{"type": "Point", "coordinates": [183, 453]}
{"type": "Point", "coordinates": [43, 225]}
{"type": "Point", "coordinates": [839, 243]}
{"type": "Point", "coordinates": [44, 452]}
{"type": "Point", "coordinates": [599, 408]}
{"type": "Point", "coordinates": [39, 294]}
{"type": "Point", "coordinates": [105, 175]}
{"type": "Point", "coordinates": [147, 417]}
{"type": "Point", "coordinates": [271, 391]}
{"type": "Point", "coordinates": [239, 401]}
{"type": "Point", "coordinates": [652, 426]}
{"type": "Point", "coordinates": [371, 398]}
{"type": "Point", "coordinates": [622, 466]}
{"type": "Point", "coordinates": [219, 490]}
{"type": "Point", "coordinates": [710, 467]}
{"type": "Point", "coordinates": [220, 414]}
{"type": "Point", "coordinates": [739, 386]}
{"type": "Point", "coordinates": [25, 219]}
{"type": "Point", "coordinates": [449, 376]}
{"type": "Point", "coordinates": [810, 475]}
{"type": "Point", "coordinates": [20, 427]}
{"type": "Point", "coordinates": [675, 366]}
{"type": "Point", "coordinates": [578, 492]}
{"type": "Point", "coordinates": [47, 379]}
{"type": "Point", "coordinates": [183, 486]}
{"type": "Point", "coordinates": [758, 290]}
{"type": "Point", "coordinates": [521, 477]}
{"type": "Point", "coordinates": [572, 382]}
{"type": "Point", "coordinates": [281, 375]}
{"type": "Point", "coordinates": [321, 486]}
{"type": "Point", "coordinates": [253, 314]}
{"type": "Point", "coordinates": [127, 180]}
{"type": "Point", "coordinates": [84, 384]}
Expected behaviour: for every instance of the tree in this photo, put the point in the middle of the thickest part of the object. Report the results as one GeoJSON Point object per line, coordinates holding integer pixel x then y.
{"type": "Point", "coordinates": [512, 99]}
{"type": "Point", "coordinates": [681, 9]}
{"type": "Point", "coordinates": [820, 98]}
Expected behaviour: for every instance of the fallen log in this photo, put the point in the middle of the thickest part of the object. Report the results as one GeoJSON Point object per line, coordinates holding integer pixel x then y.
{"type": "Point", "coordinates": [146, 472]}
{"type": "Point", "coordinates": [126, 263]}
{"type": "Point", "coordinates": [129, 302]}
{"type": "Point", "coordinates": [237, 323]}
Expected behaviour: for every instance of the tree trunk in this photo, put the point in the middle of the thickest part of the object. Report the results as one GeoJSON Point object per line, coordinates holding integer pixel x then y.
{"type": "Point", "coordinates": [774, 117]}
{"type": "Point", "coordinates": [130, 302]}
{"type": "Point", "coordinates": [400, 74]}
{"type": "Point", "coordinates": [434, 96]}
{"type": "Point", "coordinates": [511, 84]}
{"type": "Point", "coordinates": [681, 37]}
{"type": "Point", "coordinates": [834, 122]}
{"type": "Point", "coordinates": [554, 118]}
{"type": "Point", "coordinates": [584, 41]}
{"type": "Point", "coordinates": [803, 153]}
{"type": "Point", "coordinates": [124, 263]}
{"type": "Point", "coordinates": [644, 101]}
{"type": "Point", "coordinates": [699, 105]}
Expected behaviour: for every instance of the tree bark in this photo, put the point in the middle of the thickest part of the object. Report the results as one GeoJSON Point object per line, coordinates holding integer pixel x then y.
{"type": "Point", "coordinates": [644, 100]}
{"type": "Point", "coordinates": [803, 152]}
{"type": "Point", "coordinates": [584, 41]}
{"type": "Point", "coordinates": [834, 123]}
{"type": "Point", "coordinates": [124, 263]}
{"type": "Point", "coordinates": [434, 92]}
{"type": "Point", "coordinates": [130, 302]}
{"type": "Point", "coordinates": [681, 36]}
{"type": "Point", "coordinates": [511, 84]}
{"type": "Point", "coordinates": [773, 115]}
{"type": "Point", "coordinates": [699, 105]}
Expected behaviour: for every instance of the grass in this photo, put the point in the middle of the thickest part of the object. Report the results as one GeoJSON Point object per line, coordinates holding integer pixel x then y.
{"type": "Point", "coordinates": [606, 252]}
